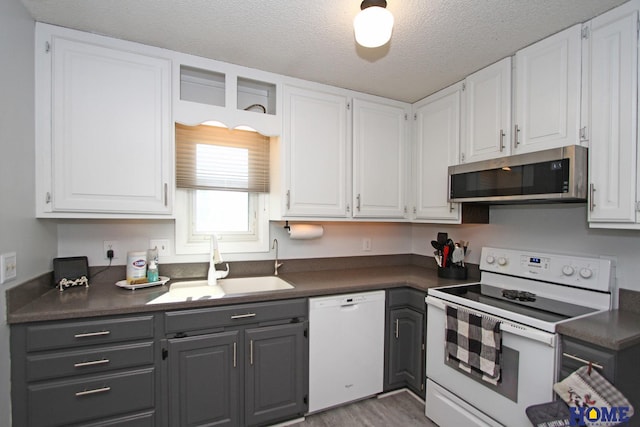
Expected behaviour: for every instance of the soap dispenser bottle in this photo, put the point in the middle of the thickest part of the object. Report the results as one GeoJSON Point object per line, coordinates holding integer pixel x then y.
{"type": "Point", "coordinates": [152, 272]}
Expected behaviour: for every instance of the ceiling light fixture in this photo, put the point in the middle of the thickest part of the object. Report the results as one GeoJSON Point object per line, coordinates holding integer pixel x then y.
{"type": "Point", "coordinates": [373, 24]}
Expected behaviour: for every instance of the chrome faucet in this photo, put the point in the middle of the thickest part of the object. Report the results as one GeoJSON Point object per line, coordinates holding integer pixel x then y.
{"type": "Point", "coordinates": [276, 265]}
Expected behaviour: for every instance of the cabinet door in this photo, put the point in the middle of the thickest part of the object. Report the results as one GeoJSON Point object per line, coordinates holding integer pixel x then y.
{"type": "Point", "coordinates": [379, 159]}
{"type": "Point", "coordinates": [203, 380]}
{"type": "Point", "coordinates": [437, 142]}
{"type": "Point", "coordinates": [110, 130]}
{"type": "Point", "coordinates": [487, 113]}
{"type": "Point", "coordinates": [613, 116]}
{"type": "Point", "coordinates": [548, 93]}
{"type": "Point", "coordinates": [276, 373]}
{"type": "Point", "coordinates": [316, 147]}
{"type": "Point", "coordinates": [406, 358]}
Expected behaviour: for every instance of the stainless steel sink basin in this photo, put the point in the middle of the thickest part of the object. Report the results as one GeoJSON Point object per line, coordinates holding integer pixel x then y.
{"type": "Point", "coordinates": [197, 290]}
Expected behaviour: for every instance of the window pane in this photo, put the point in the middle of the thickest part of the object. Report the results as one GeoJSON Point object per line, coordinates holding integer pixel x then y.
{"type": "Point", "coordinates": [221, 211]}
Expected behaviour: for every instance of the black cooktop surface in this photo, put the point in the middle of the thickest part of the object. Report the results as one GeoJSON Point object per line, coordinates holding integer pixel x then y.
{"type": "Point", "coordinates": [519, 301]}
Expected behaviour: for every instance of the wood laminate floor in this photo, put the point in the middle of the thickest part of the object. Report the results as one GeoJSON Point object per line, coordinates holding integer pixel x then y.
{"type": "Point", "coordinates": [397, 410]}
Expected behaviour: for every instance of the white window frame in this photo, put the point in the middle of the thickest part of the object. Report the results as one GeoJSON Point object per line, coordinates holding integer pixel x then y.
{"type": "Point", "coordinates": [189, 243]}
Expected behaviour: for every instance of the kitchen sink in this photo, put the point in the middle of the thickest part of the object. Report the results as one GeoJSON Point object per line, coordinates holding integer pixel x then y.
{"type": "Point", "coordinates": [198, 290]}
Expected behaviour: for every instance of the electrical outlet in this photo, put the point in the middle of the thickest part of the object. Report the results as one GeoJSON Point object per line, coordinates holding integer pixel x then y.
{"type": "Point", "coordinates": [8, 267]}
{"type": "Point", "coordinates": [366, 244]}
{"type": "Point", "coordinates": [114, 246]}
{"type": "Point", "coordinates": [163, 245]}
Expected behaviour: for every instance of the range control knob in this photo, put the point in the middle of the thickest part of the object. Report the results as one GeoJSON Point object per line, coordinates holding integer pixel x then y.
{"type": "Point", "coordinates": [490, 259]}
{"type": "Point", "coordinates": [567, 270]}
{"type": "Point", "coordinates": [502, 261]}
{"type": "Point", "coordinates": [585, 273]}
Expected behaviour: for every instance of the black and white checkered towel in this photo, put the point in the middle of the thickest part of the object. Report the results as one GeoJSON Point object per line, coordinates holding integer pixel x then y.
{"type": "Point", "coordinates": [474, 343]}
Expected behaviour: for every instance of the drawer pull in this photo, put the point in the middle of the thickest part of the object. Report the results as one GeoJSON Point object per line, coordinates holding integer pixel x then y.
{"type": "Point", "coordinates": [92, 334]}
{"type": "Point", "coordinates": [243, 316]}
{"type": "Point", "coordinates": [91, 363]}
{"type": "Point", "coordinates": [94, 391]}
{"type": "Point", "coordinates": [581, 360]}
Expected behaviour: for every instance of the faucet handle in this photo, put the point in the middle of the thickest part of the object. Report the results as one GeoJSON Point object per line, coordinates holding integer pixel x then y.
{"type": "Point", "coordinates": [222, 274]}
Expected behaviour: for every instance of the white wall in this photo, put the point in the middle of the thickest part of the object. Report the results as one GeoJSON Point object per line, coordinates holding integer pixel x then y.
{"type": "Point", "coordinates": [33, 241]}
{"type": "Point", "coordinates": [85, 237]}
{"type": "Point", "coordinates": [551, 228]}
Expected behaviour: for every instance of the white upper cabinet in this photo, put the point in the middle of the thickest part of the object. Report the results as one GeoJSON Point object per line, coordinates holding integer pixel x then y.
{"type": "Point", "coordinates": [315, 145]}
{"type": "Point", "coordinates": [380, 144]}
{"type": "Point", "coordinates": [547, 98]}
{"type": "Point", "coordinates": [206, 90]}
{"type": "Point", "coordinates": [613, 115]}
{"type": "Point", "coordinates": [487, 112]}
{"type": "Point", "coordinates": [437, 142]}
{"type": "Point", "coordinates": [103, 126]}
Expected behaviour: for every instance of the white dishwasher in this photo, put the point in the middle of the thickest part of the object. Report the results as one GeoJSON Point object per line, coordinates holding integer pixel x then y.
{"type": "Point", "coordinates": [346, 348]}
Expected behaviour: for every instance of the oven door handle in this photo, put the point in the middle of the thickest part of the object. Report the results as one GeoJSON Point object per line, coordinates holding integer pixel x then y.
{"type": "Point", "coordinates": [505, 325]}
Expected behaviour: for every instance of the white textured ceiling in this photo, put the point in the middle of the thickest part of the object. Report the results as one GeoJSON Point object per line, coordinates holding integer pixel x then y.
{"type": "Point", "coordinates": [434, 42]}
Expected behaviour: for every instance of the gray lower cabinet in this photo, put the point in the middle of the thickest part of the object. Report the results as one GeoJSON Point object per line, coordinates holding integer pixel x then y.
{"type": "Point", "coordinates": [620, 368]}
{"type": "Point", "coordinates": [242, 365]}
{"type": "Point", "coordinates": [98, 372]}
{"type": "Point", "coordinates": [204, 380]}
{"type": "Point", "coordinates": [404, 350]}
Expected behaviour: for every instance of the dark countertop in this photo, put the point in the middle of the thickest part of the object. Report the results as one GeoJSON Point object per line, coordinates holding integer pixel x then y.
{"type": "Point", "coordinates": [615, 330]}
{"type": "Point", "coordinates": [104, 298]}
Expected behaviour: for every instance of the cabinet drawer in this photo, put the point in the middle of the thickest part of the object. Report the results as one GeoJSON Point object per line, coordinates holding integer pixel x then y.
{"type": "Point", "coordinates": [73, 334]}
{"type": "Point", "coordinates": [576, 354]}
{"type": "Point", "coordinates": [242, 314]}
{"type": "Point", "coordinates": [59, 403]}
{"type": "Point", "coordinates": [407, 297]}
{"type": "Point", "coordinates": [88, 361]}
{"type": "Point", "coordinates": [143, 419]}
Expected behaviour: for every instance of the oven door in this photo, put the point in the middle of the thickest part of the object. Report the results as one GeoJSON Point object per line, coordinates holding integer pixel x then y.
{"type": "Point", "coordinates": [529, 364]}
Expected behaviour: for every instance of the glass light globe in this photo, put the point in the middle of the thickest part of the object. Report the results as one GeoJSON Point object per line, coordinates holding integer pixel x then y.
{"type": "Point", "coordinates": [373, 26]}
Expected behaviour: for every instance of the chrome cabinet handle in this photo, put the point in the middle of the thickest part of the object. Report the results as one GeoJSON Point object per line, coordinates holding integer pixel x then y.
{"type": "Point", "coordinates": [451, 207]}
{"type": "Point", "coordinates": [358, 202]}
{"type": "Point", "coordinates": [235, 354]}
{"type": "Point", "coordinates": [91, 363]}
{"type": "Point", "coordinates": [288, 199]}
{"type": "Point", "coordinates": [516, 130]}
{"type": "Point", "coordinates": [243, 316]}
{"type": "Point", "coordinates": [397, 328]}
{"type": "Point", "coordinates": [166, 194]}
{"type": "Point", "coordinates": [581, 360]}
{"type": "Point", "coordinates": [92, 334]}
{"type": "Point", "coordinates": [251, 352]}
{"type": "Point", "coordinates": [501, 136]}
{"type": "Point", "coordinates": [94, 391]}
{"type": "Point", "coordinates": [592, 203]}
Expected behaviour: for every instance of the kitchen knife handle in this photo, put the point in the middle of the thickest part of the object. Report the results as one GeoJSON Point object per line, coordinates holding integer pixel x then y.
{"type": "Point", "coordinates": [501, 136]}
{"type": "Point", "coordinates": [592, 203]}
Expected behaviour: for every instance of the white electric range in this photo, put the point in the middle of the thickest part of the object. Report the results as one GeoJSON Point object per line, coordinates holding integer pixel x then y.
{"type": "Point", "coordinates": [530, 293]}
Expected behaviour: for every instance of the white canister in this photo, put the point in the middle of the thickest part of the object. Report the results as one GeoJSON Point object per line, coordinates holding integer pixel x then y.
{"type": "Point", "coordinates": [136, 265]}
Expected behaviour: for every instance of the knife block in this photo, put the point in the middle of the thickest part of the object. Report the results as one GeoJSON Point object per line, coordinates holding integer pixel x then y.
{"type": "Point", "coordinates": [453, 272]}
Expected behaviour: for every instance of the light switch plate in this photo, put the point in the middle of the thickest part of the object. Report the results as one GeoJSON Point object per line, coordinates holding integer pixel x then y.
{"type": "Point", "coordinates": [8, 267]}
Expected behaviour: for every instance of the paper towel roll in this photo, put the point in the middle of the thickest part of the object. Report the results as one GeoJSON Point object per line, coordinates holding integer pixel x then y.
{"type": "Point", "coordinates": [305, 231]}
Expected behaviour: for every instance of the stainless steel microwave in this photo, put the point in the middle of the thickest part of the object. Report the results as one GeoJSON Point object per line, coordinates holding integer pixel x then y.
{"type": "Point", "coordinates": [555, 175]}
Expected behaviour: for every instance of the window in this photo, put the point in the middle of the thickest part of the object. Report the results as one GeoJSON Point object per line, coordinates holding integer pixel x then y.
{"type": "Point", "coordinates": [222, 178]}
